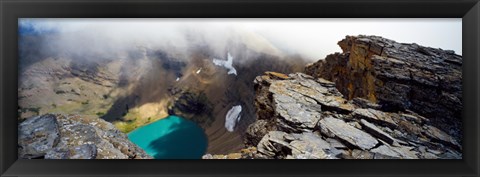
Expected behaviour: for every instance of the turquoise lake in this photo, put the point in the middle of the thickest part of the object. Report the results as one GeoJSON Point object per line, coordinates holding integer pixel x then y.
{"type": "Point", "coordinates": [171, 138]}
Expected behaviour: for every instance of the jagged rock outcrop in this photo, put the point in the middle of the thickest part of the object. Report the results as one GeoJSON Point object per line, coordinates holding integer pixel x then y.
{"type": "Point", "coordinates": [300, 103]}
{"type": "Point", "coordinates": [303, 117]}
{"type": "Point", "coordinates": [58, 136]}
{"type": "Point", "coordinates": [398, 77]}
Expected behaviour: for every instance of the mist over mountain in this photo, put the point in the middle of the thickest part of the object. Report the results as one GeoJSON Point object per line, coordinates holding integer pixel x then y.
{"type": "Point", "coordinates": [134, 72]}
{"type": "Point", "coordinates": [132, 79]}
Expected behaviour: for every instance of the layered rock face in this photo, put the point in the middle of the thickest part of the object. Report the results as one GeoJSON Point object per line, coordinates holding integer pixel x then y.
{"type": "Point", "coordinates": [303, 117]}
{"type": "Point", "coordinates": [398, 77]}
{"type": "Point", "coordinates": [379, 99]}
{"type": "Point", "coordinates": [58, 136]}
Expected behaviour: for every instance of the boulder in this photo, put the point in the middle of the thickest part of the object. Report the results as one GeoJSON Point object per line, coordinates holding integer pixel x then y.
{"type": "Point", "coordinates": [56, 136]}
{"type": "Point", "coordinates": [339, 129]}
{"type": "Point", "coordinates": [278, 144]}
{"type": "Point", "coordinates": [37, 136]}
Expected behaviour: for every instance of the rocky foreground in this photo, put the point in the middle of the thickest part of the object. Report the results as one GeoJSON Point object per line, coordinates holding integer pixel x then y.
{"type": "Point", "coordinates": [74, 137]}
{"type": "Point", "coordinates": [384, 100]}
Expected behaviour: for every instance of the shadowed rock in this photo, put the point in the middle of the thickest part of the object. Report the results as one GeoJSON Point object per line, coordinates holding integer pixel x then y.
{"type": "Point", "coordinates": [439, 135]}
{"type": "Point", "coordinates": [372, 129]}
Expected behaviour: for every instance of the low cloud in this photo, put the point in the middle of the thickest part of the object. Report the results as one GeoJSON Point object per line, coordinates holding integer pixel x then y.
{"type": "Point", "coordinates": [312, 39]}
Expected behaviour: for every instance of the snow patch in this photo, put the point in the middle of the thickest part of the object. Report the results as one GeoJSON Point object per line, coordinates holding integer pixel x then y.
{"type": "Point", "coordinates": [232, 117]}
{"type": "Point", "coordinates": [227, 64]}
{"type": "Point", "coordinates": [177, 79]}
{"type": "Point", "coordinates": [199, 70]}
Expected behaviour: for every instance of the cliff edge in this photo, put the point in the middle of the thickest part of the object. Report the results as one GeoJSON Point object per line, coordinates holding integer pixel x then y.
{"type": "Point", "coordinates": [379, 99]}
{"type": "Point", "coordinates": [399, 77]}
{"type": "Point", "coordinates": [56, 136]}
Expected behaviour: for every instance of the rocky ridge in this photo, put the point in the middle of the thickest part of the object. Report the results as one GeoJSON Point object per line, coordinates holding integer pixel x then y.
{"type": "Point", "coordinates": [302, 117]}
{"type": "Point", "coordinates": [381, 103]}
{"type": "Point", "coordinates": [58, 136]}
{"type": "Point", "coordinates": [399, 77]}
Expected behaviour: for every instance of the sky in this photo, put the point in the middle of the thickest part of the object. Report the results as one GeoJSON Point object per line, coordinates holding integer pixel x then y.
{"type": "Point", "coordinates": [311, 38]}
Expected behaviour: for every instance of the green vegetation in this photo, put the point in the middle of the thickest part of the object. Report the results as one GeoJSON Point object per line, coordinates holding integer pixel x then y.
{"type": "Point", "coordinates": [85, 102]}
{"type": "Point", "coordinates": [125, 127]}
{"type": "Point", "coordinates": [100, 114]}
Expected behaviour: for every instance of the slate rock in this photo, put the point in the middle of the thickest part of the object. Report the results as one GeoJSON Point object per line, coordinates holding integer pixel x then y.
{"type": "Point", "coordinates": [37, 136]}
{"type": "Point", "coordinates": [375, 115]}
{"type": "Point", "coordinates": [278, 144]}
{"type": "Point", "coordinates": [397, 152]}
{"type": "Point", "coordinates": [86, 151]}
{"type": "Point", "coordinates": [441, 136]}
{"type": "Point", "coordinates": [57, 136]}
{"type": "Point", "coordinates": [375, 131]}
{"type": "Point", "coordinates": [399, 77]}
{"type": "Point", "coordinates": [341, 130]}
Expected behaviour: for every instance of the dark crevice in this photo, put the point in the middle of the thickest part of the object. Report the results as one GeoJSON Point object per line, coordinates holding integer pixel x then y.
{"type": "Point", "coordinates": [376, 146]}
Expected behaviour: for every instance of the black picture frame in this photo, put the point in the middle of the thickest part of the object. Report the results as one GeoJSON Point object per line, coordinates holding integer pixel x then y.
{"type": "Point", "coordinates": [11, 10]}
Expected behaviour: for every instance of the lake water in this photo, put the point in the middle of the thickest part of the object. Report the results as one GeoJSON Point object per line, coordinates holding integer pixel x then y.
{"type": "Point", "coordinates": [171, 138]}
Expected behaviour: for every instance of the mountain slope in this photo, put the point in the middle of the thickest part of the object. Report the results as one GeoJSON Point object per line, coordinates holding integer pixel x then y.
{"type": "Point", "coordinates": [383, 102]}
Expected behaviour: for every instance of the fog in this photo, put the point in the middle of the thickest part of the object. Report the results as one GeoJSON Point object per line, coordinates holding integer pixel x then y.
{"type": "Point", "coordinates": [208, 63]}
{"type": "Point", "coordinates": [312, 39]}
